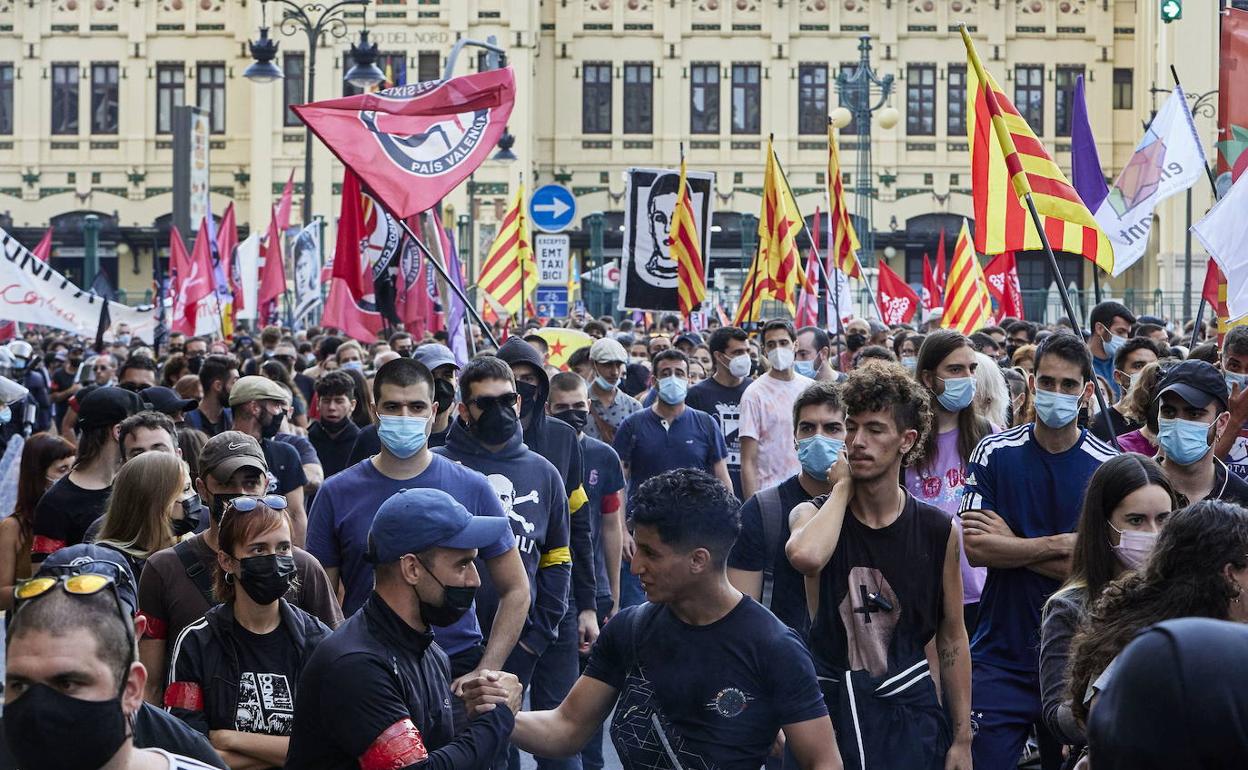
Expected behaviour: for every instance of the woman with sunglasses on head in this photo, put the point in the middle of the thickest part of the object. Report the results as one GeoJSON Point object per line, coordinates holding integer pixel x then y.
{"type": "Point", "coordinates": [45, 458]}
{"type": "Point", "coordinates": [145, 511]}
{"type": "Point", "coordinates": [235, 671]}
{"type": "Point", "coordinates": [1128, 500]}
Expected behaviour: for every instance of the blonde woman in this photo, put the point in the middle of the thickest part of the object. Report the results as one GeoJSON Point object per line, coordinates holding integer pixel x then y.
{"type": "Point", "coordinates": [145, 512]}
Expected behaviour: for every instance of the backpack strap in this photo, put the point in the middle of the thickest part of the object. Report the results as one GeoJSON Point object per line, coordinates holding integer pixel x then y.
{"type": "Point", "coordinates": [772, 512]}
{"type": "Point", "coordinates": [644, 614]}
{"type": "Point", "coordinates": [195, 571]}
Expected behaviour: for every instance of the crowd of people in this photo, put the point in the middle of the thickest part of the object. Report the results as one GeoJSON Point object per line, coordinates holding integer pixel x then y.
{"type": "Point", "coordinates": [865, 547]}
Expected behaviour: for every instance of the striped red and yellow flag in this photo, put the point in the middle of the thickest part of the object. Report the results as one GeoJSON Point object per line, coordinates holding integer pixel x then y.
{"type": "Point", "coordinates": [845, 243]}
{"type": "Point", "coordinates": [509, 274]}
{"type": "Point", "coordinates": [968, 305]}
{"type": "Point", "coordinates": [1005, 152]}
{"type": "Point", "coordinates": [777, 270]}
{"type": "Point", "coordinates": [686, 250]}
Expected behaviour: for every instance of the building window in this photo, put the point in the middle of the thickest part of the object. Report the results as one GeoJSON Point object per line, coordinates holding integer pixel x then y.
{"type": "Point", "coordinates": [65, 98]}
{"type": "Point", "coordinates": [428, 66]}
{"type": "Point", "coordinates": [955, 96]}
{"type": "Point", "coordinates": [921, 100]}
{"type": "Point", "coordinates": [747, 98]}
{"type": "Point", "coordinates": [1124, 88]}
{"type": "Point", "coordinates": [704, 98]}
{"type": "Point", "coordinates": [6, 98]}
{"type": "Point", "coordinates": [847, 97]}
{"type": "Point", "coordinates": [104, 98]}
{"type": "Point", "coordinates": [1063, 97]}
{"type": "Point", "coordinates": [1029, 95]}
{"type": "Point", "coordinates": [596, 98]}
{"type": "Point", "coordinates": [638, 98]}
{"type": "Point", "coordinates": [292, 87]}
{"type": "Point", "coordinates": [210, 93]}
{"type": "Point", "coordinates": [170, 93]}
{"type": "Point", "coordinates": [812, 98]}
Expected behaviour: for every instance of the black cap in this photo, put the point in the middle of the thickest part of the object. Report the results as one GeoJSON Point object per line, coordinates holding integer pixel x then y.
{"type": "Point", "coordinates": [105, 407]}
{"type": "Point", "coordinates": [88, 558]}
{"type": "Point", "coordinates": [167, 401]}
{"type": "Point", "coordinates": [1196, 382]}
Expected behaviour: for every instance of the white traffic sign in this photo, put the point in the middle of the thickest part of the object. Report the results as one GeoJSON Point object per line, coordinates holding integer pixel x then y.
{"type": "Point", "coordinates": [551, 253]}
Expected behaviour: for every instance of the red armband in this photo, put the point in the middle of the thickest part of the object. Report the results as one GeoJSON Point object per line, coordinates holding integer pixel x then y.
{"type": "Point", "coordinates": [156, 628]}
{"type": "Point", "coordinates": [45, 545]}
{"type": "Point", "coordinates": [399, 746]}
{"type": "Point", "coordinates": [611, 503]}
{"type": "Point", "coordinates": [184, 695]}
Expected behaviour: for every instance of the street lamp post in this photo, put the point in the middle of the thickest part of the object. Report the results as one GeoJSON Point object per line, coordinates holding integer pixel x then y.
{"type": "Point", "coordinates": [855, 88]}
{"type": "Point", "coordinates": [314, 20]}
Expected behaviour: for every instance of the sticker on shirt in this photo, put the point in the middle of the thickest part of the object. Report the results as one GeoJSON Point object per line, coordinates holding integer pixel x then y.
{"type": "Point", "coordinates": [943, 490]}
{"type": "Point", "coordinates": [729, 423]}
{"type": "Point", "coordinates": [266, 704]}
{"type": "Point", "coordinates": [521, 526]}
{"type": "Point", "coordinates": [730, 702]}
{"type": "Point", "coordinates": [869, 613]}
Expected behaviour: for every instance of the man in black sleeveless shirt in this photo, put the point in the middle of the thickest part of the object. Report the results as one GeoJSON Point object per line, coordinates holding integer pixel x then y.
{"type": "Point", "coordinates": [883, 573]}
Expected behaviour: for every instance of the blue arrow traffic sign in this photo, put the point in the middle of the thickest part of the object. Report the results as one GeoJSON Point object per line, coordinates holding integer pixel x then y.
{"type": "Point", "coordinates": [552, 208]}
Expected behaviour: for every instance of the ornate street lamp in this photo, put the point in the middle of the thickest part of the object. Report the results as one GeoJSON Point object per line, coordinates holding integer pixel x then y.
{"type": "Point", "coordinates": [856, 87]}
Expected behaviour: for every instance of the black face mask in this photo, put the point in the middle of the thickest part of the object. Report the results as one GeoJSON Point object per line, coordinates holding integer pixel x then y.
{"type": "Point", "coordinates": [333, 426]}
{"type": "Point", "coordinates": [528, 398]}
{"type": "Point", "coordinates": [192, 510]}
{"type": "Point", "coordinates": [270, 429]}
{"type": "Point", "coordinates": [496, 425]}
{"type": "Point", "coordinates": [577, 418]}
{"type": "Point", "coordinates": [266, 578]}
{"type": "Point", "coordinates": [444, 394]}
{"type": "Point", "coordinates": [217, 506]}
{"type": "Point", "coordinates": [457, 600]}
{"type": "Point", "coordinates": [193, 363]}
{"type": "Point", "coordinates": [38, 723]}
{"type": "Point", "coordinates": [855, 341]}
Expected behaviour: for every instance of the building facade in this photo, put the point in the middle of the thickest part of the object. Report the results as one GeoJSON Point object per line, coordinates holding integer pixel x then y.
{"type": "Point", "coordinates": [87, 90]}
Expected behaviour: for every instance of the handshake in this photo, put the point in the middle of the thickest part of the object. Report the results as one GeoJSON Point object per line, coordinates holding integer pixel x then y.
{"type": "Point", "coordinates": [484, 690]}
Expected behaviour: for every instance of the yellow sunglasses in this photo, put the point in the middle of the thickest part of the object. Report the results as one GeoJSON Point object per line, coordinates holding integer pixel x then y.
{"type": "Point", "coordinates": [78, 585]}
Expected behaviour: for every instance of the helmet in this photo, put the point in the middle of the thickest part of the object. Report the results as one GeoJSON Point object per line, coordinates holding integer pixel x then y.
{"type": "Point", "coordinates": [20, 349]}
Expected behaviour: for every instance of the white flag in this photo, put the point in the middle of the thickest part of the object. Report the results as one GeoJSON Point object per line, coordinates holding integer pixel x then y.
{"type": "Point", "coordinates": [248, 256]}
{"type": "Point", "coordinates": [1224, 234]}
{"type": "Point", "coordinates": [1169, 159]}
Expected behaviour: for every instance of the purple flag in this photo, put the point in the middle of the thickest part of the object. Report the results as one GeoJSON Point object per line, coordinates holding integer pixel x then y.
{"type": "Point", "coordinates": [458, 326]}
{"type": "Point", "coordinates": [1085, 162]}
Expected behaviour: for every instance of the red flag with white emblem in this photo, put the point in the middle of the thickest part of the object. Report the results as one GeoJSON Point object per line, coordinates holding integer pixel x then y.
{"type": "Point", "coordinates": [898, 302]}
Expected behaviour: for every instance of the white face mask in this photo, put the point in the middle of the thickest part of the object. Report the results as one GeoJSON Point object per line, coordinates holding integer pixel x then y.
{"type": "Point", "coordinates": [781, 359]}
{"type": "Point", "coordinates": [739, 366]}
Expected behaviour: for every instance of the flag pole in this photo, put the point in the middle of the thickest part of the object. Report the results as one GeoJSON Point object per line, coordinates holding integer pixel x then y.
{"type": "Point", "coordinates": [519, 256]}
{"type": "Point", "coordinates": [1070, 309]}
{"type": "Point", "coordinates": [446, 277]}
{"type": "Point", "coordinates": [875, 300]}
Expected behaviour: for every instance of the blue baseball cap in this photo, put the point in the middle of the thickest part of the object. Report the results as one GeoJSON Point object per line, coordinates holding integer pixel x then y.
{"type": "Point", "coordinates": [416, 520]}
{"type": "Point", "coordinates": [434, 354]}
{"type": "Point", "coordinates": [91, 559]}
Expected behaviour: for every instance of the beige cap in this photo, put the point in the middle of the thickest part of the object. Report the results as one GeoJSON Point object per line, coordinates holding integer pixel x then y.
{"type": "Point", "coordinates": [256, 388]}
{"type": "Point", "coordinates": [607, 351]}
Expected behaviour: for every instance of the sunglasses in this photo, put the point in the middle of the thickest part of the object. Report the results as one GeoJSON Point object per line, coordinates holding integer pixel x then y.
{"type": "Point", "coordinates": [100, 368]}
{"type": "Point", "coordinates": [248, 504]}
{"type": "Point", "coordinates": [77, 583]}
{"type": "Point", "coordinates": [506, 401]}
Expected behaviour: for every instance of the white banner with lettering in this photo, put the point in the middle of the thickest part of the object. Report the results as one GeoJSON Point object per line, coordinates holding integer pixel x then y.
{"type": "Point", "coordinates": [33, 293]}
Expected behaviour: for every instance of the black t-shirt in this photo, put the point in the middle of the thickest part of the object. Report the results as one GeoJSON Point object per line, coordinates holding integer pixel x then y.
{"type": "Point", "coordinates": [726, 687]}
{"type": "Point", "coordinates": [724, 404]}
{"type": "Point", "coordinates": [1121, 424]}
{"type": "Point", "coordinates": [285, 471]}
{"type": "Point", "coordinates": [1228, 487]}
{"type": "Point", "coordinates": [333, 450]}
{"type": "Point", "coordinates": [788, 596]}
{"type": "Point", "coordinates": [268, 666]}
{"type": "Point", "coordinates": [880, 594]}
{"type": "Point", "coordinates": [63, 514]}
{"type": "Point", "coordinates": [61, 382]}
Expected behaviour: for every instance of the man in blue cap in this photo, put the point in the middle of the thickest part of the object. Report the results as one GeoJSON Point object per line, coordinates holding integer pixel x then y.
{"type": "Point", "coordinates": [384, 662]}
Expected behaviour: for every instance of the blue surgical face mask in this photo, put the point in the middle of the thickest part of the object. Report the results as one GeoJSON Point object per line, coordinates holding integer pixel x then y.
{"type": "Point", "coordinates": [1183, 441]}
{"type": "Point", "coordinates": [910, 362]}
{"type": "Point", "coordinates": [6, 414]}
{"type": "Point", "coordinates": [603, 384]}
{"type": "Point", "coordinates": [1056, 410]}
{"type": "Point", "coordinates": [959, 393]}
{"type": "Point", "coordinates": [402, 436]}
{"type": "Point", "coordinates": [672, 390]}
{"type": "Point", "coordinates": [817, 453]}
{"type": "Point", "coordinates": [356, 365]}
{"type": "Point", "coordinates": [1233, 379]}
{"type": "Point", "coordinates": [805, 368]}
{"type": "Point", "coordinates": [1113, 344]}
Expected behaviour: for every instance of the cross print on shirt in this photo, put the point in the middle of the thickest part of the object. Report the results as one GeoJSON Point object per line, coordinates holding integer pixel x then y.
{"type": "Point", "coordinates": [871, 603]}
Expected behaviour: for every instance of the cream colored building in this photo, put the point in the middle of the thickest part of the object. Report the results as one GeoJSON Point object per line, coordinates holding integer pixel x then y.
{"type": "Point", "coordinates": [86, 85]}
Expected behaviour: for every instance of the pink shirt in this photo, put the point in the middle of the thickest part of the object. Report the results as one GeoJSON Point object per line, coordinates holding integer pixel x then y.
{"type": "Point", "coordinates": [1135, 441]}
{"type": "Point", "coordinates": [767, 417]}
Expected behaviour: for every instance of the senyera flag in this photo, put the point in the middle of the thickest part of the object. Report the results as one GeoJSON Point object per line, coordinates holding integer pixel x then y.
{"type": "Point", "coordinates": [413, 144]}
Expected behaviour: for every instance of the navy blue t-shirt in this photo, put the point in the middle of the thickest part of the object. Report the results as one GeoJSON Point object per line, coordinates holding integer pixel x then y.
{"type": "Point", "coordinates": [285, 468]}
{"type": "Point", "coordinates": [1038, 494]}
{"type": "Point", "coordinates": [727, 687]}
{"type": "Point", "coordinates": [650, 445]}
{"type": "Point", "coordinates": [343, 512]}
{"type": "Point", "coordinates": [724, 405]}
{"type": "Point", "coordinates": [603, 476]}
